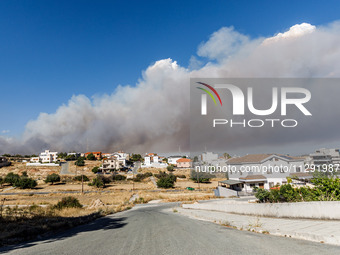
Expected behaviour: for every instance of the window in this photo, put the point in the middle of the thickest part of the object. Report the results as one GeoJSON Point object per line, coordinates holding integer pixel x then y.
{"type": "Point", "coordinates": [298, 169]}
{"type": "Point", "coordinates": [271, 184]}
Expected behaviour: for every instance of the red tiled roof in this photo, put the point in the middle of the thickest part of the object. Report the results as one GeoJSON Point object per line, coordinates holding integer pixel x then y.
{"type": "Point", "coordinates": [183, 160]}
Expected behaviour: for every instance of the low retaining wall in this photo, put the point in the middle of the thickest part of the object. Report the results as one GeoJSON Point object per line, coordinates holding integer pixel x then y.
{"type": "Point", "coordinates": [329, 210]}
{"type": "Point", "coordinates": [44, 164]}
{"type": "Point", "coordinates": [224, 192]}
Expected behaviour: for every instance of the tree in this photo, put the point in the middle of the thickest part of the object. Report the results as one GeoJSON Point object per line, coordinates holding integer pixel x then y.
{"type": "Point", "coordinates": [95, 169]}
{"type": "Point", "coordinates": [11, 178]}
{"type": "Point", "coordinates": [97, 182]}
{"type": "Point", "coordinates": [262, 195]}
{"type": "Point", "coordinates": [62, 155]}
{"type": "Point", "coordinates": [80, 162]}
{"type": "Point", "coordinates": [226, 155]}
{"type": "Point", "coordinates": [52, 178]}
{"type": "Point", "coordinates": [166, 182]}
{"type": "Point", "coordinates": [68, 202]}
{"type": "Point", "coordinates": [80, 178]}
{"type": "Point", "coordinates": [91, 157]}
{"type": "Point", "coordinates": [170, 168]}
{"type": "Point", "coordinates": [200, 177]}
{"type": "Point", "coordinates": [136, 157]}
{"type": "Point", "coordinates": [70, 157]}
{"type": "Point", "coordinates": [25, 183]}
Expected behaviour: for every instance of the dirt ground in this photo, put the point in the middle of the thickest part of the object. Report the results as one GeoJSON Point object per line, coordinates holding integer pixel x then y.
{"type": "Point", "coordinates": [113, 194]}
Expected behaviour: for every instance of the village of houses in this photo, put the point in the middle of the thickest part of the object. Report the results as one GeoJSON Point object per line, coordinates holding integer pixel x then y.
{"type": "Point", "coordinates": [235, 183]}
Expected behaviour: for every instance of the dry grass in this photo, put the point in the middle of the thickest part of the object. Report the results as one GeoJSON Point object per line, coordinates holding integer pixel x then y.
{"type": "Point", "coordinates": [176, 196]}
{"type": "Point", "coordinates": [22, 223]}
{"type": "Point", "coordinates": [112, 198]}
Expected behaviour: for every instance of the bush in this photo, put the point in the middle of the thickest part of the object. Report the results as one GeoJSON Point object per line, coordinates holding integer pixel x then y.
{"type": "Point", "coordinates": [181, 176]}
{"type": "Point", "coordinates": [79, 178]}
{"type": "Point", "coordinates": [80, 161]}
{"type": "Point", "coordinates": [170, 168]}
{"type": "Point", "coordinates": [68, 202]}
{"type": "Point", "coordinates": [95, 169]}
{"type": "Point", "coordinates": [200, 176]}
{"type": "Point", "coordinates": [52, 178]}
{"type": "Point", "coordinates": [262, 195]}
{"type": "Point", "coordinates": [25, 183]}
{"type": "Point", "coordinates": [11, 178]}
{"type": "Point", "coordinates": [91, 157]}
{"type": "Point", "coordinates": [97, 182]}
{"type": "Point", "coordinates": [326, 189]}
{"type": "Point", "coordinates": [140, 177]}
{"type": "Point", "coordinates": [118, 177]}
{"type": "Point", "coordinates": [161, 174]}
{"type": "Point", "coordinates": [165, 182]}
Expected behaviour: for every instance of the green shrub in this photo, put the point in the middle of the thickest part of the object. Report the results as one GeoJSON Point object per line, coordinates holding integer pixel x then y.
{"type": "Point", "coordinates": [140, 177]}
{"type": "Point", "coordinates": [161, 174]}
{"type": "Point", "coordinates": [165, 182]}
{"type": "Point", "coordinates": [80, 178]}
{"type": "Point", "coordinates": [97, 182]}
{"type": "Point", "coordinates": [118, 177]}
{"type": "Point", "coordinates": [80, 161]}
{"type": "Point", "coordinates": [11, 178]}
{"type": "Point", "coordinates": [91, 157]}
{"type": "Point", "coordinates": [200, 177]}
{"type": "Point", "coordinates": [52, 178]}
{"type": "Point", "coordinates": [170, 168]}
{"type": "Point", "coordinates": [68, 202]}
{"type": "Point", "coordinates": [25, 183]}
{"type": "Point", "coordinates": [262, 195]}
{"type": "Point", "coordinates": [95, 169]}
{"type": "Point", "coordinates": [183, 176]}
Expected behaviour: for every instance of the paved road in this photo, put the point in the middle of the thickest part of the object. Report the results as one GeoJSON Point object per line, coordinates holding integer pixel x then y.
{"type": "Point", "coordinates": [150, 229]}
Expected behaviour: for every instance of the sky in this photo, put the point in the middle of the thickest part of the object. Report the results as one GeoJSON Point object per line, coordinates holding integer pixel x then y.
{"type": "Point", "coordinates": [52, 51]}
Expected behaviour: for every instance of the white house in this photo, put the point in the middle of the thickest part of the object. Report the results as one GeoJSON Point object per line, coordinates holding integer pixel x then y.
{"type": "Point", "coordinates": [111, 163]}
{"type": "Point", "coordinates": [263, 170]}
{"type": "Point", "coordinates": [172, 160]}
{"type": "Point", "coordinates": [115, 160]}
{"type": "Point", "coordinates": [153, 160]}
{"type": "Point", "coordinates": [45, 157]}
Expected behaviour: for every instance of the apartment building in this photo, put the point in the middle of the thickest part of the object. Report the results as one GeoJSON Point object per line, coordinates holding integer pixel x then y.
{"type": "Point", "coordinates": [45, 157]}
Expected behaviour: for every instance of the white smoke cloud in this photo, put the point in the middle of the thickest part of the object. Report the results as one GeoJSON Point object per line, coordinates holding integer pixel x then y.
{"type": "Point", "coordinates": [154, 114]}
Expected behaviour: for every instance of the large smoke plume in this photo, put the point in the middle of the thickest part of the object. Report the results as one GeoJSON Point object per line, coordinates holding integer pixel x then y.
{"type": "Point", "coordinates": [153, 115]}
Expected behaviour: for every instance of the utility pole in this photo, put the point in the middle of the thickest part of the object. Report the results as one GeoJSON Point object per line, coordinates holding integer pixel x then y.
{"type": "Point", "coordinates": [82, 184]}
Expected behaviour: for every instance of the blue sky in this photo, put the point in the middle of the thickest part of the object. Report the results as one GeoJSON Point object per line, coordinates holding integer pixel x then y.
{"type": "Point", "coordinates": [51, 50]}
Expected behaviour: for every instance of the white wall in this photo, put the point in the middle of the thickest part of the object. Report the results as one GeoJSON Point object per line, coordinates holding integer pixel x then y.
{"type": "Point", "coordinates": [312, 210]}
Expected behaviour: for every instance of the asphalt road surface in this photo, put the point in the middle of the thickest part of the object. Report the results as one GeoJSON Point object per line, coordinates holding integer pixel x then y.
{"type": "Point", "coordinates": [156, 229]}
